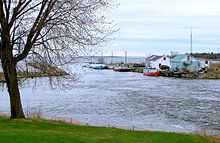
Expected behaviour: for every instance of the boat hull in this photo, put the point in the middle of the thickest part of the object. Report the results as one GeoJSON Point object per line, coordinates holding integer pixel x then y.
{"type": "Point", "coordinates": [122, 69]}
{"type": "Point", "coordinates": [151, 72]}
{"type": "Point", "coordinates": [98, 66]}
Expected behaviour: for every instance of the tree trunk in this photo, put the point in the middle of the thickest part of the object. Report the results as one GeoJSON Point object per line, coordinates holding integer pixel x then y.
{"type": "Point", "coordinates": [10, 73]}
{"type": "Point", "coordinates": [9, 69]}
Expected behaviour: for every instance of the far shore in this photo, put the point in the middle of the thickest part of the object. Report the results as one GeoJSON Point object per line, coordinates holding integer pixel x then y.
{"type": "Point", "coordinates": [42, 70]}
{"type": "Point", "coordinates": [211, 75]}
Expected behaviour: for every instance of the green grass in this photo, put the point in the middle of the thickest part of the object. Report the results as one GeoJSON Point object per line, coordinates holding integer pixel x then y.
{"type": "Point", "coordinates": [42, 131]}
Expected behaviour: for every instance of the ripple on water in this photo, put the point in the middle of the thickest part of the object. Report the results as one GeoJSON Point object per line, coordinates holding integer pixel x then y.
{"type": "Point", "coordinates": [129, 99]}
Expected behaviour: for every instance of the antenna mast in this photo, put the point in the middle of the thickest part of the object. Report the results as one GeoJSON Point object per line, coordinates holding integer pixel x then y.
{"type": "Point", "coordinates": [126, 60]}
{"type": "Point", "coordinates": [191, 39]}
{"type": "Point", "coordinates": [112, 58]}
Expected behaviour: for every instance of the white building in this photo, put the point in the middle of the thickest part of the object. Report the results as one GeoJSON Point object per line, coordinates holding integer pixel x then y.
{"type": "Point", "coordinates": [204, 63]}
{"type": "Point", "coordinates": [155, 61]}
{"type": "Point", "coordinates": [190, 63]}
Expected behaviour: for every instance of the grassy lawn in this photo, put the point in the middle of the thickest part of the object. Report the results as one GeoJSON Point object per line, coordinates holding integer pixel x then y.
{"type": "Point", "coordinates": [42, 131]}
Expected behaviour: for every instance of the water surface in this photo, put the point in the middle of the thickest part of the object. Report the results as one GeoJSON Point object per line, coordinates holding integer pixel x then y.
{"type": "Point", "coordinates": [126, 100]}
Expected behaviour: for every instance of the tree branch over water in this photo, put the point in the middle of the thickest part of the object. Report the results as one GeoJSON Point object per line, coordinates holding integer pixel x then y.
{"type": "Point", "coordinates": [48, 31]}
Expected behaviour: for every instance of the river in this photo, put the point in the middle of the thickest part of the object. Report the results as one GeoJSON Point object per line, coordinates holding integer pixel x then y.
{"type": "Point", "coordinates": [105, 97]}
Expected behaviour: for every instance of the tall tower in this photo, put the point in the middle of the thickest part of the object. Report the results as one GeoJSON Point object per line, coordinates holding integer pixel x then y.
{"type": "Point", "coordinates": [191, 42]}
{"type": "Point", "coordinates": [112, 58]}
{"type": "Point", "coordinates": [126, 59]}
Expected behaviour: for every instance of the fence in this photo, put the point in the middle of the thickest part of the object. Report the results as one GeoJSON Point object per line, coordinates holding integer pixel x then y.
{"type": "Point", "coordinates": [33, 113]}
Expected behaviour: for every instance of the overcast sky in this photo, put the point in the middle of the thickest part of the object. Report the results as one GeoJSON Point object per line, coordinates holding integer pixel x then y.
{"type": "Point", "coordinates": [161, 26]}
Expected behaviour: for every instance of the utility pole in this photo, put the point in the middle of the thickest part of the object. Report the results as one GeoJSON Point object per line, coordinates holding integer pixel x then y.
{"type": "Point", "coordinates": [218, 54]}
{"type": "Point", "coordinates": [101, 59]}
{"type": "Point", "coordinates": [126, 60]}
{"type": "Point", "coordinates": [191, 42]}
{"type": "Point", "coordinates": [112, 58]}
{"type": "Point", "coordinates": [191, 48]}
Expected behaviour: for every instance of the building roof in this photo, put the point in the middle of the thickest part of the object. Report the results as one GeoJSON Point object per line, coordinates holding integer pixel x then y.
{"type": "Point", "coordinates": [180, 57]}
{"type": "Point", "coordinates": [153, 58]}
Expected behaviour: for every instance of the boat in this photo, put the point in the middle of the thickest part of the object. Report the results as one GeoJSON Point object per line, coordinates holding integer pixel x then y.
{"type": "Point", "coordinates": [86, 65]}
{"type": "Point", "coordinates": [122, 69]}
{"type": "Point", "coordinates": [97, 66]}
{"type": "Point", "coordinates": [148, 71]}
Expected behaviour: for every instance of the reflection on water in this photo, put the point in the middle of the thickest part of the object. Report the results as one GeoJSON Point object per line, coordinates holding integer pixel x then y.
{"type": "Point", "coordinates": [129, 99]}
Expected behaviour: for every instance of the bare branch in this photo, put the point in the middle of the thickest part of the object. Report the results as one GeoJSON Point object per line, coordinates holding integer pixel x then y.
{"type": "Point", "coordinates": [56, 25]}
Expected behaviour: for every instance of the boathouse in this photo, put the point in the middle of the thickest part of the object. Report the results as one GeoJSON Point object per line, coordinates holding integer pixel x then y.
{"type": "Point", "coordinates": [188, 62]}
{"type": "Point", "coordinates": [156, 61]}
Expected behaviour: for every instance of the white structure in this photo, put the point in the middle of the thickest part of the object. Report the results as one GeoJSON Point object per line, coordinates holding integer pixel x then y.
{"type": "Point", "coordinates": [188, 62]}
{"type": "Point", "coordinates": [204, 63]}
{"type": "Point", "coordinates": [155, 61]}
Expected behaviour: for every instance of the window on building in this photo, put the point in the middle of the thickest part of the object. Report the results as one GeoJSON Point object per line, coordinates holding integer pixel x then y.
{"type": "Point", "coordinates": [164, 58]}
{"type": "Point", "coordinates": [206, 62]}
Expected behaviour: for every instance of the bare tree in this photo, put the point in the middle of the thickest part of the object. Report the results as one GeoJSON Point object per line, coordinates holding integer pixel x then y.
{"type": "Point", "coordinates": [48, 30]}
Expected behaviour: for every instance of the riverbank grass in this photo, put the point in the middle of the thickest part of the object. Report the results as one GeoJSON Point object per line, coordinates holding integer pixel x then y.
{"type": "Point", "coordinates": [44, 131]}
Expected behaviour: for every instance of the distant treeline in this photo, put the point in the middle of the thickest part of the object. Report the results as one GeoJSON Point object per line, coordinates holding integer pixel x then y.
{"type": "Point", "coordinates": [206, 55]}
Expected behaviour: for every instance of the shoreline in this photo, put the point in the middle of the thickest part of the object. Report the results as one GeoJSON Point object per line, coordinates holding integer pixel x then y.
{"type": "Point", "coordinates": [72, 121]}
{"type": "Point", "coordinates": [211, 75]}
{"type": "Point", "coordinates": [41, 70]}
{"type": "Point", "coordinates": [202, 133]}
